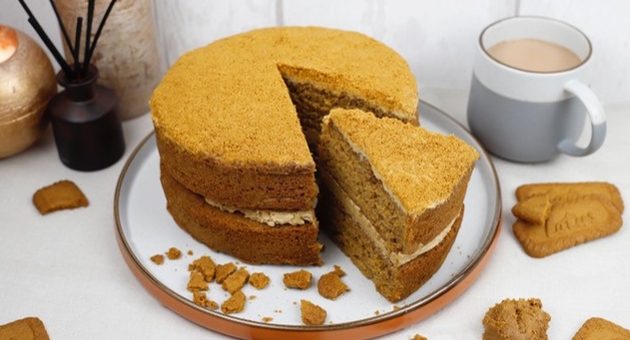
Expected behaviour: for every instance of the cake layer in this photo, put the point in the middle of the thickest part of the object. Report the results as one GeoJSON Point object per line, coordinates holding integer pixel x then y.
{"type": "Point", "coordinates": [410, 183]}
{"type": "Point", "coordinates": [232, 233]}
{"type": "Point", "coordinates": [394, 282]}
{"type": "Point", "coordinates": [247, 186]}
{"type": "Point", "coordinates": [227, 128]}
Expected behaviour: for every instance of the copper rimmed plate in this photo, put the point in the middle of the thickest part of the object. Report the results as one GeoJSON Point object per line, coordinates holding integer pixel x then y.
{"type": "Point", "coordinates": [144, 228]}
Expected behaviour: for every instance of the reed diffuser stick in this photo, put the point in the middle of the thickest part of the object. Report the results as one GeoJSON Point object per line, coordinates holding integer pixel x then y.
{"type": "Point", "coordinates": [79, 72]}
{"type": "Point", "coordinates": [77, 47]}
{"type": "Point", "coordinates": [64, 32]}
{"type": "Point", "coordinates": [88, 35]}
{"type": "Point", "coordinates": [100, 28]}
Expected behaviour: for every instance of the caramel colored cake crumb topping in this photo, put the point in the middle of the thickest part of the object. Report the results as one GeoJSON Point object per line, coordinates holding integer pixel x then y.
{"type": "Point", "coordinates": [400, 151]}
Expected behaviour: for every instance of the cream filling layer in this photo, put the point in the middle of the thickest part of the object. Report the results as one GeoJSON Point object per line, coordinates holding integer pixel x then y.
{"type": "Point", "coordinates": [271, 218]}
{"type": "Point", "coordinates": [397, 258]}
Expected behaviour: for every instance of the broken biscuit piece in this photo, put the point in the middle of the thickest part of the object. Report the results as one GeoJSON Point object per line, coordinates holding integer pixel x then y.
{"type": "Point", "coordinates": [601, 329]}
{"type": "Point", "coordinates": [27, 328]}
{"type": "Point", "coordinates": [300, 279]}
{"type": "Point", "coordinates": [57, 196]}
{"type": "Point", "coordinates": [312, 314]}
{"type": "Point", "coordinates": [330, 285]}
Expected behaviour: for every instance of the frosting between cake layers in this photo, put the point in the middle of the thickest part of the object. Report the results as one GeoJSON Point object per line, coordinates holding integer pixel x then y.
{"type": "Point", "coordinates": [397, 258]}
{"type": "Point", "coordinates": [271, 218]}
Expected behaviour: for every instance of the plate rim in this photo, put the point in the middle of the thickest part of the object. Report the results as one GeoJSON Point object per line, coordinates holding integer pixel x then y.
{"type": "Point", "coordinates": [360, 329]}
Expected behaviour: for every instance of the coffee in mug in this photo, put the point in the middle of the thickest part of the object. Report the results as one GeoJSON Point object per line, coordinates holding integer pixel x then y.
{"type": "Point", "coordinates": [527, 102]}
{"type": "Point", "coordinates": [534, 55]}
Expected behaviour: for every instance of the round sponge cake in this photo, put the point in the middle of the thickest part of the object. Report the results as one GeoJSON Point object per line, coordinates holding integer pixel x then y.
{"type": "Point", "coordinates": [226, 121]}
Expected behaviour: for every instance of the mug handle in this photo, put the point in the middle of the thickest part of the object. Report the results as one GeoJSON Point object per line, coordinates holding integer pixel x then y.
{"type": "Point", "coordinates": [596, 114]}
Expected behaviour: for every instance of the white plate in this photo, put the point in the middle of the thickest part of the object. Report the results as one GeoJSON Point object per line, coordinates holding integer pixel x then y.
{"type": "Point", "coordinates": [145, 228]}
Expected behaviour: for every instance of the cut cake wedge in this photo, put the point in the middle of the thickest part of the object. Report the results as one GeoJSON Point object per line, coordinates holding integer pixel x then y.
{"type": "Point", "coordinates": [394, 195]}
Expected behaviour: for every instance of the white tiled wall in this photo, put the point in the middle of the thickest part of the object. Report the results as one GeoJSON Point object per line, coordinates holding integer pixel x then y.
{"type": "Point", "coordinates": [436, 37]}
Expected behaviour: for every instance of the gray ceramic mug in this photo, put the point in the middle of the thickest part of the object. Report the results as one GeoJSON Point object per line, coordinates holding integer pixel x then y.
{"type": "Point", "coordinates": [533, 116]}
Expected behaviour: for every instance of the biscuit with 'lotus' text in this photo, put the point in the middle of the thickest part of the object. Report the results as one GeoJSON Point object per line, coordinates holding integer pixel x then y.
{"type": "Point", "coordinates": [556, 216]}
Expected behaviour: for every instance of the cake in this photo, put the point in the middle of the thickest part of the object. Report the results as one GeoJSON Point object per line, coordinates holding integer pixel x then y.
{"type": "Point", "coordinates": [236, 122]}
{"type": "Point", "coordinates": [394, 196]}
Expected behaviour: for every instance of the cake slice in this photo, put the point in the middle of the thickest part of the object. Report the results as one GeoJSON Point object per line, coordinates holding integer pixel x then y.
{"type": "Point", "coordinates": [394, 194]}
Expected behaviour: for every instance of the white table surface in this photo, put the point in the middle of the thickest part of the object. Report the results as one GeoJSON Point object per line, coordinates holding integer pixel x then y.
{"type": "Point", "coordinates": [66, 267]}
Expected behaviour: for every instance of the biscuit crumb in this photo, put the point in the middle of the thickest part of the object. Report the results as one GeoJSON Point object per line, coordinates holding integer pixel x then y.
{"type": "Point", "coordinates": [60, 195]}
{"type": "Point", "coordinates": [234, 304]}
{"type": "Point", "coordinates": [259, 280]}
{"type": "Point", "coordinates": [200, 298]}
{"type": "Point", "coordinates": [338, 271]}
{"type": "Point", "coordinates": [312, 314]}
{"type": "Point", "coordinates": [267, 319]}
{"type": "Point", "coordinates": [330, 286]}
{"type": "Point", "coordinates": [26, 328]}
{"type": "Point", "coordinates": [222, 271]}
{"type": "Point", "coordinates": [212, 304]}
{"type": "Point", "coordinates": [510, 319]}
{"type": "Point", "coordinates": [157, 259]}
{"type": "Point", "coordinates": [418, 337]}
{"type": "Point", "coordinates": [597, 329]}
{"type": "Point", "coordinates": [300, 279]}
{"type": "Point", "coordinates": [235, 281]}
{"type": "Point", "coordinates": [204, 265]}
{"type": "Point", "coordinates": [190, 252]}
{"type": "Point", "coordinates": [173, 253]}
{"type": "Point", "coordinates": [196, 282]}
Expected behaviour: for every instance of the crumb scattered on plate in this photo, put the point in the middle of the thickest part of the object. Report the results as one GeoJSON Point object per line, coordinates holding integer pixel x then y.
{"type": "Point", "coordinates": [234, 304]}
{"type": "Point", "coordinates": [235, 281]}
{"type": "Point", "coordinates": [196, 282]}
{"type": "Point", "coordinates": [300, 279]}
{"type": "Point", "coordinates": [312, 314]}
{"type": "Point", "coordinates": [205, 266]}
{"type": "Point", "coordinates": [259, 280]}
{"type": "Point", "coordinates": [157, 259]}
{"type": "Point", "coordinates": [222, 271]}
{"type": "Point", "coordinates": [330, 286]}
{"type": "Point", "coordinates": [173, 253]}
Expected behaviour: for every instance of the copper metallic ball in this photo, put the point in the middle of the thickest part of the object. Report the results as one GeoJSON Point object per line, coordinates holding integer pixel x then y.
{"type": "Point", "coordinates": [27, 83]}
